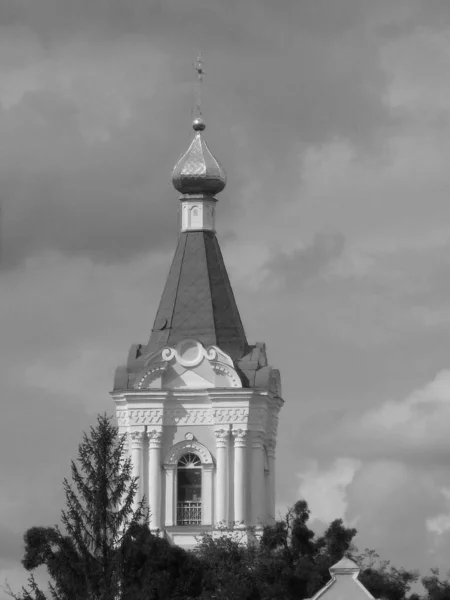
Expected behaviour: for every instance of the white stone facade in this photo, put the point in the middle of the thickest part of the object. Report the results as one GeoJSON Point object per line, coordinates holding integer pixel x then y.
{"type": "Point", "coordinates": [189, 400]}
{"type": "Point", "coordinates": [198, 213]}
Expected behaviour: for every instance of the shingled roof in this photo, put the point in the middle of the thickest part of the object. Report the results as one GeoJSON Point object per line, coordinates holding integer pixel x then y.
{"type": "Point", "coordinates": [198, 301]}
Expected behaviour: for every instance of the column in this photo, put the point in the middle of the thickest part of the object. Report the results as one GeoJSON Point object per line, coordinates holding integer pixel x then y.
{"type": "Point", "coordinates": [222, 437]}
{"type": "Point", "coordinates": [240, 474]}
{"type": "Point", "coordinates": [170, 493]}
{"type": "Point", "coordinates": [137, 438]}
{"type": "Point", "coordinates": [207, 494]}
{"type": "Point", "coordinates": [154, 478]}
{"type": "Point", "coordinates": [270, 482]}
{"type": "Point", "coordinates": [258, 480]}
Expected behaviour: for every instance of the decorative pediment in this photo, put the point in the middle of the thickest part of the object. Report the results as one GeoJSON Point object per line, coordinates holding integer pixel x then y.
{"type": "Point", "coordinates": [189, 366]}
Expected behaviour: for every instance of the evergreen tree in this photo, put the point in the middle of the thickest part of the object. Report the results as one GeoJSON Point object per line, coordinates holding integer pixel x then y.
{"type": "Point", "coordinates": [85, 561]}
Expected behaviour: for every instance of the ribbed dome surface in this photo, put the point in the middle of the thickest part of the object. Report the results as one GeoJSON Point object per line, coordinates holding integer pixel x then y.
{"type": "Point", "coordinates": [197, 171]}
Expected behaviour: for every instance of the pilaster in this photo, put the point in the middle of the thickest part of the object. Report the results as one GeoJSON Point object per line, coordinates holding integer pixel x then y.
{"type": "Point", "coordinates": [207, 495]}
{"type": "Point", "coordinates": [170, 494]}
{"type": "Point", "coordinates": [154, 437]}
{"type": "Point", "coordinates": [240, 477]}
{"type": "Point", "coordinates": [258, 480]}
{"type": "Point", "coordinates": [270, 482]}
{"type": "Point", "coordinates": [222, 446]}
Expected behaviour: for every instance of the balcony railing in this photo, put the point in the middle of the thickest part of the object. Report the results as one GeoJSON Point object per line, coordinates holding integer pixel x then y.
{"type": "Point", "coordinates": [189, 513]}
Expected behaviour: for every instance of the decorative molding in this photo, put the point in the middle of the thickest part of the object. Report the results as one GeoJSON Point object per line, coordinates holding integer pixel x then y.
{"type": "Point", "coordinates": [240, 437]}
{"type": "Point", "coordinates": [197, 416]}
{"type": "Point", "coordinates": [150, 376]}
{"type": "Point", "coordinates": [188, 416]}
{"type": "Point", "coordinates": [137, 437]}
{"type": "Point", "coordinates": [189, 354]}
{"type": "Point", "coordinates": [230, 373]}
{"type": "Point", "coordinates": [193, 446]}
{"type": "Point", "coordinates": [145, 416]}
{"type": "Point", "coordinates": [222, 437]}
{"type": "Point", "coordinates": [230, 415]}
{"type": "Point", "coordinates": [122, 418]}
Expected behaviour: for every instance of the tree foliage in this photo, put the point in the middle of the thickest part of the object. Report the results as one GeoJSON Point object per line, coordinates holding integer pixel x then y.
{"type": "Point", "coordinates": [384, 580]}
{"type": "Point", "coordinates": [436, 587]}
{"type": "Point", "coordinates": [290, 562]}
{"type": "Point", "coordinates": [105, 550]}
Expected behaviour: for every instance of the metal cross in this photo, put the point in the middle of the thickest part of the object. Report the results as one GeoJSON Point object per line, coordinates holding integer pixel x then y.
{"type": "Point", "coordinates": [198, 66]}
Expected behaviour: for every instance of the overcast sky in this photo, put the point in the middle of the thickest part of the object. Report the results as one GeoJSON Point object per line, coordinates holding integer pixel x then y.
{"type": "Point", "coordinates": [331, 118]}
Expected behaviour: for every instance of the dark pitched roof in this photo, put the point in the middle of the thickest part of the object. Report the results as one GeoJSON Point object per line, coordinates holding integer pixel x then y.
{"type": "Point", "coordinates": [198, 301]}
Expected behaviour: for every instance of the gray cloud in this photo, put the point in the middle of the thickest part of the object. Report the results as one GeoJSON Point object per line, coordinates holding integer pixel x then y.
{"type": "Point", "coordinates": [277, 81]}
{"type": "Point", "coordinates": [305, 263]}
{"type": "Point", "coordinates": [96, 107]}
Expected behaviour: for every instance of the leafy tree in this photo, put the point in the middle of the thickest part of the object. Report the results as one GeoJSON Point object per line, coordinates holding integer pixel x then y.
{"type": "Point", "coordinates": [229, 566]}
{"type": "Point", "coordinates": [384, 581]}
{"type": "Point", "coordinates": [289, 562]}
{"type": "Point", "coordinates": [286, 562]}
{"type": "Point", "coordinates": [437, 589]}
{"type": "Point", "coordinates": [156, 570]}
{"type": "Point", "coordinates": [107, 552]}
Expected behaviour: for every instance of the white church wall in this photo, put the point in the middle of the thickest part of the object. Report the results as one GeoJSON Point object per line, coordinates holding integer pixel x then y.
{"type": "Point", "coordinates": [207, 414]}
{"type": "Point", "coordinates": [202, 433]}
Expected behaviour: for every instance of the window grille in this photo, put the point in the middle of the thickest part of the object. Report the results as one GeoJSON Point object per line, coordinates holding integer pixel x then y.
{"type": "Point", "coordinates": [189, 504]}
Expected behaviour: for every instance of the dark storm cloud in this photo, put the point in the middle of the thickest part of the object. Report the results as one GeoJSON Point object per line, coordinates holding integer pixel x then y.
{"type": "Point", "coordinates": [278, 80]}
{"type": "Point", "coordinates": [100, 199]}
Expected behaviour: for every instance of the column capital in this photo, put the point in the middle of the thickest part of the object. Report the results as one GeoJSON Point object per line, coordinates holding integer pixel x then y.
{"type": "Point", "coordinates": [222, 437]}
{"type": "Point", "coordinates": [240, 437]}
{"type": "Point", "coordinates": [154, 438]}
{"type": "Point", "coordinates": [137, 437]}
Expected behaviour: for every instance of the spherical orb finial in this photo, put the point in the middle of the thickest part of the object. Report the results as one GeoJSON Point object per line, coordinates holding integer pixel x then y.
{"type": "Point", "coordinates": [198, 124]}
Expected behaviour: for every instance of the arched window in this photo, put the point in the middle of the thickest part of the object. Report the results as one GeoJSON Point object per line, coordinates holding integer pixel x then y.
{"type": "Point", "coordinates": [189, 490]}
{"type": "Point", "coordinates": [195, 220]}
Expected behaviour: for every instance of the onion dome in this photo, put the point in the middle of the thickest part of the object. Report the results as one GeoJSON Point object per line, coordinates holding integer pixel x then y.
{"type": "Point", "coordinates": [198, 172]}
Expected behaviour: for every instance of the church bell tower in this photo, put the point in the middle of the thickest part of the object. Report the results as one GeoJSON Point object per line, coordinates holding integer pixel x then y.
{"type": "Point", "coordinates": [198, 403]}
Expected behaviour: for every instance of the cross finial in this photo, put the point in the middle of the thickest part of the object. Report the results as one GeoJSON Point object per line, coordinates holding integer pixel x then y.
{"type": "Point", "coordinates": [198, 66]}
